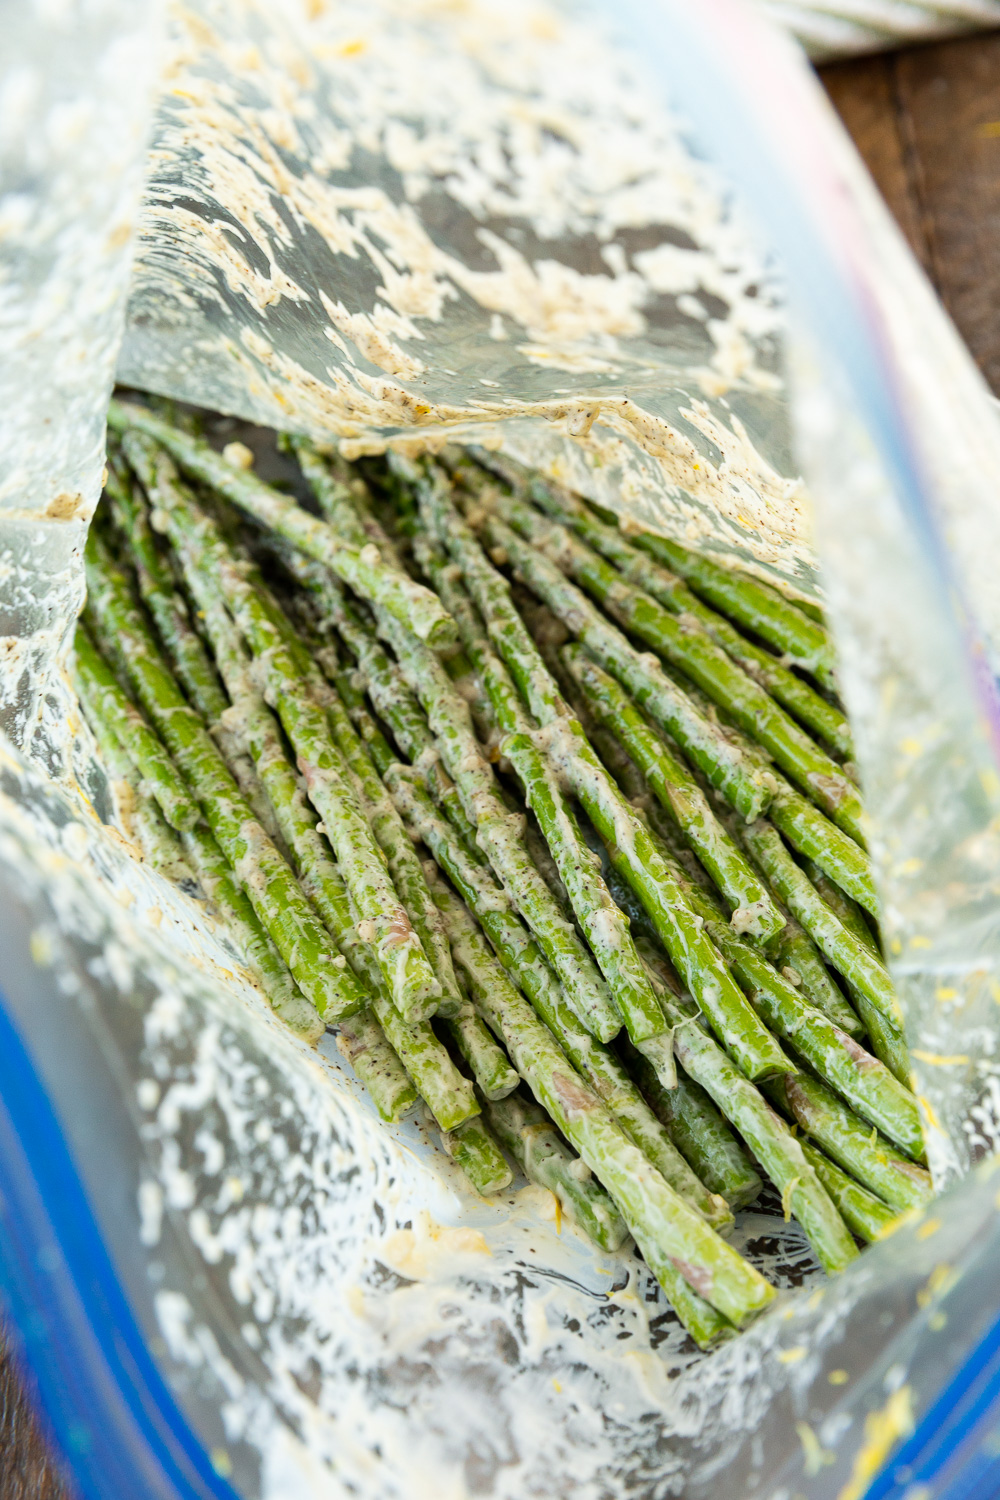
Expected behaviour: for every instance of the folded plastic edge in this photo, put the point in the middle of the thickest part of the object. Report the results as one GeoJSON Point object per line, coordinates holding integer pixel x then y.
{"type": "Point", "coordinates": [109, 1408]}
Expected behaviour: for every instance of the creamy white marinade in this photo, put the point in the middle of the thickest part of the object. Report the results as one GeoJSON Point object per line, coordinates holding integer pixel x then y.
{"type": "Point", "coordinates": [396, 222]}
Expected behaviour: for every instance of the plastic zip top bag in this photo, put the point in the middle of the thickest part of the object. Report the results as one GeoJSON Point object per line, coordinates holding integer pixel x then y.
{"type": "Point", "coordinates": [406, 229]}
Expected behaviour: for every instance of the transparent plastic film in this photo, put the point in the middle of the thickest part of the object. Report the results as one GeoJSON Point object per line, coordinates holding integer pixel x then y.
{"type": "Point", "coordinates": [76, 92]}
{"type": "Point", "coordinates": [394, 222]}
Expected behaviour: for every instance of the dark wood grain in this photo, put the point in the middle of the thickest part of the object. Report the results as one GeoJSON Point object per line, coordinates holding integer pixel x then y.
{"type": "Point", "coordinates": [28, 1468]}
{"type": "Point", "coordinates": [866, 96]}
{"type": "Point", "coordinates": [950, 106]}
{"type": "Point", "coordinates": [927, 122]}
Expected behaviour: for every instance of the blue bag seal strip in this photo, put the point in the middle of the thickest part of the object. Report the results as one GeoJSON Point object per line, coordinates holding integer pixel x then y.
{"type": "Point", "coordinates": [954, 1454]}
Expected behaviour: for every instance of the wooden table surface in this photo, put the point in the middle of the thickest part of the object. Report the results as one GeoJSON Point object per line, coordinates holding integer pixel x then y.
{"type": "Point", "coordinates": [927, 121]}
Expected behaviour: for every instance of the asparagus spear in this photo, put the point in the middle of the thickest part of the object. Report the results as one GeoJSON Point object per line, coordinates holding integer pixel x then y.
{"type": "Point", "coordinates": [852, 958]}
{"type": "Point", "coordinates": [667, 588]}
{"type": "Point", "coordinates": [156, 586]}
{"type": "Point", "coordinates": [138, 813]}
{"type": "Point", "coordinates": [675, 1241]}
{"type": "Point", "coordinates": [527, 1133]}
{"type": "Point", "coordinates": [316, 870]}
{"type": "Point", "coordinates": [888, 1041]}
{"type": "Point", "coordinates": [603, 924]}
{"type": "Point", "coordinates": [634, 856]}
{"type": "Point", "coordinates": [800, 961]}
{"type": "Point", "coordinates": [446, 1093]}
{"type": "Point", "coordinates": [498, 830]}
{"type": "Point", "coordinates": [693, 652]}
{"type": "Point", "coordinates": [702, 1136]}
{"type": "Point", "coordinates": [815, 837]}
{"type": "Point", "coordinates": [479, 1156]}
{"type": "Point", "coordinates": [864, 1214]}
{"type": "Point", "coordinates": [493, 1073]}
{"type": "Point", "coordinates": [160, 845]}
{"type": "Point", "coordinates": [267, 880]}
{"type": "Point", "coordinates": [520, 954]}
{"type": "Point", "coordinates": [769, 1138]}
{"type": "Point", "coordinates": [754, 605]}
{"type": "Point", "coordinates": [339, 497]}
{"type": "Point", "coordinates": [850, 1142]}
{"type": "Point", "coordinates": [407, 971]}
{"type": "Point", "coordinates": [184, 648]}
{"type": "Point", "coordinates": [361, 1041]}
{"type": "Point", "coordinates": [360, 567]}
{"type": "Point", "coordinates": [260, 953]}
{"type": "Point", "coordinates": [731, 764]}
{"type": "Point", "coordinates": [680, 794]}
{"type": "Point", "coordinates": [704, 744]}
{"type": "Point", "coordinates": [864, 1081]}
{"type": "Point", "coordinates": [159, 775]}
{"type": "Point", "coordinates": [397, 706]}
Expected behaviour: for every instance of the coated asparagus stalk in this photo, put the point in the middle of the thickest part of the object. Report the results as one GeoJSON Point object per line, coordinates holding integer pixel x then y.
{"type": "Point", "coordinates": [770, 1140]}
{"type": "Point", "coordinates": [800, 961]}
{"type": "Point", "coordinates": [270, 885]}
{"type": "Point", "coordinates": [498, 831]}
{"type": "Point", "coordinates": [322, 880]}
{"type": "Point", "coordinates": [745, 893]}
{"type": "Point", "coordinates": [138, 814]}
{"type": "Point", "coordinates": [160, 845]}
{"type": "Point", "coordinates": [864, 1081]}
{"type": "Point", "coordinates": [526, 1132]}
{"type": "Point", "coordinates": [397, 706]}
{"type": "Point", "coordinates": [668, 589]}
{"type": "Point", "coordinates": [701, 1135]}
{"type": "Point", "coordinates": [493, 1073]}
{"type": "Point", "coordinates": [703, 743]}
{"type": "Point", "coordinates": [604, 925]}
{"type": "Point", "coordinates": [634, 855]}
{"type": "Point", "coordinates": [410, 979]}
{"type": "Point", "coordinates": [479, 1156]}
{"type": "Point", "coordinates": [361, 1041]}
{"type": "Point", "coordinates": [864, 1214]}
{"type": "Point", "coordinates": [887, 1040]}
{"type": "Point", "coordinates": [446, 1093]}
{"type": "Point", "coordinates": [520, 954]}
{"type": "Point", "coordinates": [159, 775]}
{"type": "Point", "coordinates": [693, 652]}
{"type": "Point", "coordinates": [360, 567]}
{"type": "Point", "coordinates": [340, 499]}
{"type": "Point", "coordinates": [840, 947]}
{"type": "Point", "coordinates": [156, 586]}
{"type": "Point", "coordinates": [851, 1143]}
{"type": "Point", "coordinates": [259, 952]}
{"type": "Point", "coordinates": [807, 829]}
{"type": "Point", "coordinates": [185, 651]}
{"type": "Point", "coordinates": [731, 764]}
{"type": "Point", "coordinates": [753, 604]}
{"type": "Point", "coordinates": [317, 873]}
{"type": "Point", "coordinates": [672, 1237]}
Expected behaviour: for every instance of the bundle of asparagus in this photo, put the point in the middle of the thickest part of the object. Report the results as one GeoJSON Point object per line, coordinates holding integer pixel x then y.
{"type": "Point", "coordinates": [555, 826]}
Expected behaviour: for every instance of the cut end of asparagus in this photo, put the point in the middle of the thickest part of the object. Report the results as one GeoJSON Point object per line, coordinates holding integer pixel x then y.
{"type": "Point", "coordinates": [479, 1156]}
